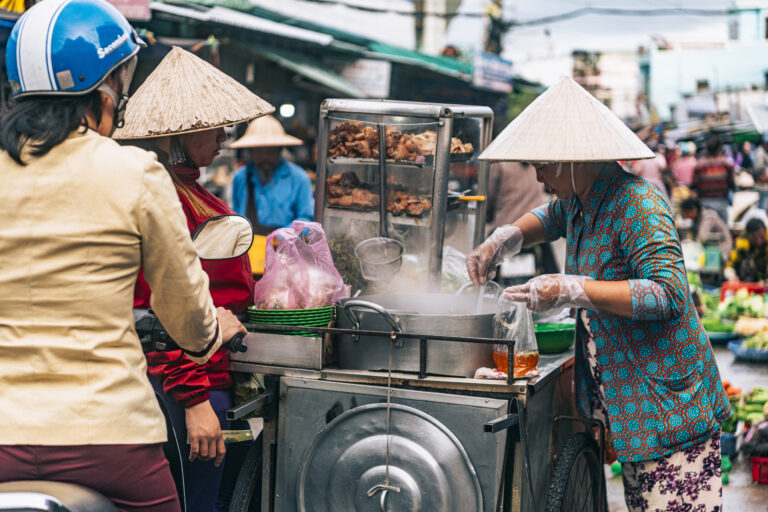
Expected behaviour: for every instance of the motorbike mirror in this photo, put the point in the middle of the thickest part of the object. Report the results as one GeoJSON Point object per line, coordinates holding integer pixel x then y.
{"type": "Point", "coordinates": [223, 237]}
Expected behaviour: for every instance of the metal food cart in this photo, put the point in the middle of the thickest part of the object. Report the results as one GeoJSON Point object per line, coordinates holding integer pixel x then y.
{"type": "Point", "coordinates": [381, 410]}
{"type": "Point", "coordinates": [456, 443]}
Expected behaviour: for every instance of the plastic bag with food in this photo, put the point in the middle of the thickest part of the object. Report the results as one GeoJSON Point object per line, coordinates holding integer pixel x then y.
{"type": "Point", "coordinates": [298, 270]}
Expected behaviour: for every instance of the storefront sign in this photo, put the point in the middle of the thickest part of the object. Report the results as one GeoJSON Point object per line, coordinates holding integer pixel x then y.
{"type": "Point", "coordinates": [371, 77]}
{"type": "Point", "coordinates": [135, 10]}
{"type": "Point", "coordinates": [492, 72]}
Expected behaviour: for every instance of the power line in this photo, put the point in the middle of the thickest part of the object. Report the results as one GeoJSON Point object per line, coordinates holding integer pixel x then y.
{"type": "Point", "coordinates": [583, 11]}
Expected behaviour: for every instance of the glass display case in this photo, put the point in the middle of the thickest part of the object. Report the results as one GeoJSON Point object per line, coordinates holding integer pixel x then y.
{"type": "Point", "coordinates": [404, 171]}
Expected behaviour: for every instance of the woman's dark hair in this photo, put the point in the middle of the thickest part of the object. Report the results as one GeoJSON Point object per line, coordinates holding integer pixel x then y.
{"type": "Point", "coordinates": [714, 145]}
{"type": "Point", "coordinates": [691, 203]}
{"type": "Point", "coordinates": [754, 225]}
{"type": "Point", "coordinates": [44, 122]}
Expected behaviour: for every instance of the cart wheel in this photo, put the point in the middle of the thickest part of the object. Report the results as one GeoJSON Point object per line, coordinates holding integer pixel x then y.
{"type": "Point", "coordinates": [247, 494]}
{"type": "Point", "coordinates": [576, 482]}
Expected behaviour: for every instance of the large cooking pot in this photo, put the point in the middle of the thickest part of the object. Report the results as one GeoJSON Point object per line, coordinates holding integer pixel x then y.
{"type": "Point", "coordinates": [420, 313]}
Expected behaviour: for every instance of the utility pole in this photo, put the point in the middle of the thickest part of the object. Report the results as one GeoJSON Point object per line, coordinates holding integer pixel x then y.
{"type": "Point", "coordinates": [418, 23]}
{"type": "Point", "coordinates": [496, 27]}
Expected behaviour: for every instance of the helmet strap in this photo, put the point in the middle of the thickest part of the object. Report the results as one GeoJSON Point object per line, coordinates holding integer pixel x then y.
{"type": "Point", "coordinates": [120, 101]}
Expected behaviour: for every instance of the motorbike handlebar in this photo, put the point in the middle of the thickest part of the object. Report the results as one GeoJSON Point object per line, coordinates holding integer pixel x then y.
{"type": "Point", "coordinates": [154, 337]}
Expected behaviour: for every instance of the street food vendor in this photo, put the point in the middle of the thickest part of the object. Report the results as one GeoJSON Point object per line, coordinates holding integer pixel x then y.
{"type": "Point", "coordinates": [749, 257]}
{"type": "Point", "coordinates": [644, 364]}
{"type": "Point", "coordinates": [186, 138]}
{"type": "Point", "coordinates": [271, 191]}
{"type": "Point", "coordinates": [708, 227]}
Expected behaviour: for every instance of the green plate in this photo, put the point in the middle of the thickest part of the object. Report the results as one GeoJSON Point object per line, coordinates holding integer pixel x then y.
{"type": "Point", "coordinates": [252, 309]}
{"type": "Point", "coordinates": [554, 338]}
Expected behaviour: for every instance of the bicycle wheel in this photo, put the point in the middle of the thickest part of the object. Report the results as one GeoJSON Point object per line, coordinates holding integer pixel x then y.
{"type": "Point", "coordinates": [576, 483]}
{"type": "Point", "coordinates": [247, 493]}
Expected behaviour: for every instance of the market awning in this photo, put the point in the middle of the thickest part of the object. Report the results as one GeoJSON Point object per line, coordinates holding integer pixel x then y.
{"type": "Point", "coordinates": [309, 68]}
{"type": "Point", "coordinates": [758, 116]}
{"type": "Point", "coordinates": [232, 18]}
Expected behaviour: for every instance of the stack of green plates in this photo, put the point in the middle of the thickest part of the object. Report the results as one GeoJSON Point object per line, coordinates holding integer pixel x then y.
{"type": "Point", "coordinates": [313, 317]}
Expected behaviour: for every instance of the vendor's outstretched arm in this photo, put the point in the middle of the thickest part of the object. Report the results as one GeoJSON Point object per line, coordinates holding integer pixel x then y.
{"type": "Point", "coordinates": [533, 230]}
{"type": "Point", "coordinates": [527, 230]}
{"type": "Point", "coordinates": [610, 296]}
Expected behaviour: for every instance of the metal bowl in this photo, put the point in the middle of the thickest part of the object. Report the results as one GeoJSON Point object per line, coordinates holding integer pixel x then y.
{"type": "Point", "coordinates": [380, 258]}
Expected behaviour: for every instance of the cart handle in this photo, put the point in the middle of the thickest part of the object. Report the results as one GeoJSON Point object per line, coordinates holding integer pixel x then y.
{"type": "Point", "coordinates": [393, 321]}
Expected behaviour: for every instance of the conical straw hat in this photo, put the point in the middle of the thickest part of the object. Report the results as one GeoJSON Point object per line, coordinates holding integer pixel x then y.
{"type": "Point", "coordinates": [566, 124]}
{"type": "Point", "coordinates": [186, 94]}
{"type": "Point", "coordinates": [265, 132]}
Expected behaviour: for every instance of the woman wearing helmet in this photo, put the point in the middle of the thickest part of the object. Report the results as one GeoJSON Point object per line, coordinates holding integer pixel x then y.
{"type": "Point", "coordinates": [79, 216]}
{"type": "Point", "coordinates": [186, 130]}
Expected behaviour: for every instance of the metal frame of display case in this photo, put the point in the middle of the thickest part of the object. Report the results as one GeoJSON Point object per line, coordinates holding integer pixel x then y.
{"type": "Point", "coordinates": [443, 116]}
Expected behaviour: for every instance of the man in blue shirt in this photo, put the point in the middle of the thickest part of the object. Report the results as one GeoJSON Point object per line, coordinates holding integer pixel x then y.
{"type": "Point", "coordinates": [269, 190]}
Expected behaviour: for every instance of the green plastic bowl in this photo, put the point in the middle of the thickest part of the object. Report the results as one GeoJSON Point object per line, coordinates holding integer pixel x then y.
{"type": "Point", "coordinates": [554, 338]}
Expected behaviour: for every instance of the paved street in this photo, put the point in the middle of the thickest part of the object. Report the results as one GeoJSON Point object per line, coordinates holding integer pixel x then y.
{"type": "Point", "coordinates": [740, 495]}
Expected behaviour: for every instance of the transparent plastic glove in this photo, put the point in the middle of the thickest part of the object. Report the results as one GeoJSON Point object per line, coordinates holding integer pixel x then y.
{"type": "Point", "coordinates": [483, 260]}
{"type": "Point", "coordinates": [730, 275]}
{"type": "Point", "coordinates": [550, 293]}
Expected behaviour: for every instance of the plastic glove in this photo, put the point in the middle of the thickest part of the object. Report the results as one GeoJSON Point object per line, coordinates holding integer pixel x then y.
{"type": "Point", "coordinates": [550, 293]}
{"type": "Point", "coordinates": [730, 275]}
{"type": "Point", "coordinates": [483, 260]}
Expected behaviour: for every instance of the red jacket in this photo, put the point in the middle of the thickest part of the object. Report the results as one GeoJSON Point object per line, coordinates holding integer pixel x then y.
{"type": "Point", "coordinates": [231, 285]}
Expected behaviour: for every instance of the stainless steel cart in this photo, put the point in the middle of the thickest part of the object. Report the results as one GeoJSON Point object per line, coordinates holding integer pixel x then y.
{"type": "Point", "coordinates": [456, 443]}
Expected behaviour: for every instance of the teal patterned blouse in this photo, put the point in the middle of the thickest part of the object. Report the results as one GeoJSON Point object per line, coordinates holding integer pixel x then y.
{"type": "Point", "coordinates": [662, 387]}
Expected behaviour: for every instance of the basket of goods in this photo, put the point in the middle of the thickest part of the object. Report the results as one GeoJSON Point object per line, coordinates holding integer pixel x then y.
{"type": "Point", "coordinates": [755, 443]}
{"type": "Point", "coordinates": [755, 347]}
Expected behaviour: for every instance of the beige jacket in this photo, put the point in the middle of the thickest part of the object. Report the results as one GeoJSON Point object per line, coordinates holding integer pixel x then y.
{"type": "Point", "coordinates": [75, 227]}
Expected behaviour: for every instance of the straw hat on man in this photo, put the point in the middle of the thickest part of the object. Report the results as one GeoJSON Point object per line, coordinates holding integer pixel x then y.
{"type": "Point", "coordinates": [644, 365]}
{"type": "Point", "coordinates": [271, 191]}
{"type": "Point", "coordinates": [180, 112]}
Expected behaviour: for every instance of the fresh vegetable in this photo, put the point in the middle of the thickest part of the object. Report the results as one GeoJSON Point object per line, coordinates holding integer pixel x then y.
{"type": "Point", "coordinates": [711, 301]}
{"type": "Point", "coordinates": [714, 324]}
{"type": "Point", "coordinates": [725, 479]}
{"type": "Point", "coordinates": [751, 407]}
{"type": "Point", "coordinates": [742, 303]}
{"type": "Point", "coordinates": [725, 464]}
{"type": "Point", "coordinates": [729, 425]}
{"type": "Point", "coordinates": [758, 341]}
{"type": "Point", "coordinates": [731, 390]}
{"type": "Point", "coordinates": [747, 326]}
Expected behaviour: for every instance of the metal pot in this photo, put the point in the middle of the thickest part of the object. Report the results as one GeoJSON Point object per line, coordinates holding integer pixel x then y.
{"type": "Point", "coordinates": [422, 313]}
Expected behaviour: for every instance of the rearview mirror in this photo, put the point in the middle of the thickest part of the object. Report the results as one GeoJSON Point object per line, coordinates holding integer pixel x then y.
{"type": "Point", "coordinates": [223, 237]}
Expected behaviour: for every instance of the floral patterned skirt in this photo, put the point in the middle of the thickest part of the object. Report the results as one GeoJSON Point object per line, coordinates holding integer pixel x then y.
{"type": "Point", "coordinates": [684, 481]}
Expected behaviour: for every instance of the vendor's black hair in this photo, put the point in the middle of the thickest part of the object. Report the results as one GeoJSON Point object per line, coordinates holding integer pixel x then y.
{"type": "Point", "coordinates": [690, 204]}
{"type": "Point", "coordinates": [44, 122]}
{"type": "Point", "coordinates": [754, 225]}
{"type": "Point", "coordinates": [714, 145]}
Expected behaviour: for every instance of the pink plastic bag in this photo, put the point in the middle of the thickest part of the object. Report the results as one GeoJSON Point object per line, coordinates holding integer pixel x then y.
{"type": "Point", "coordinates": [298, 270]}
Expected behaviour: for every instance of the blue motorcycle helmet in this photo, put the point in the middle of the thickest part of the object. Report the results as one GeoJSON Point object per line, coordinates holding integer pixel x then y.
{"type": "Point", "coordinates": [68, 48]}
